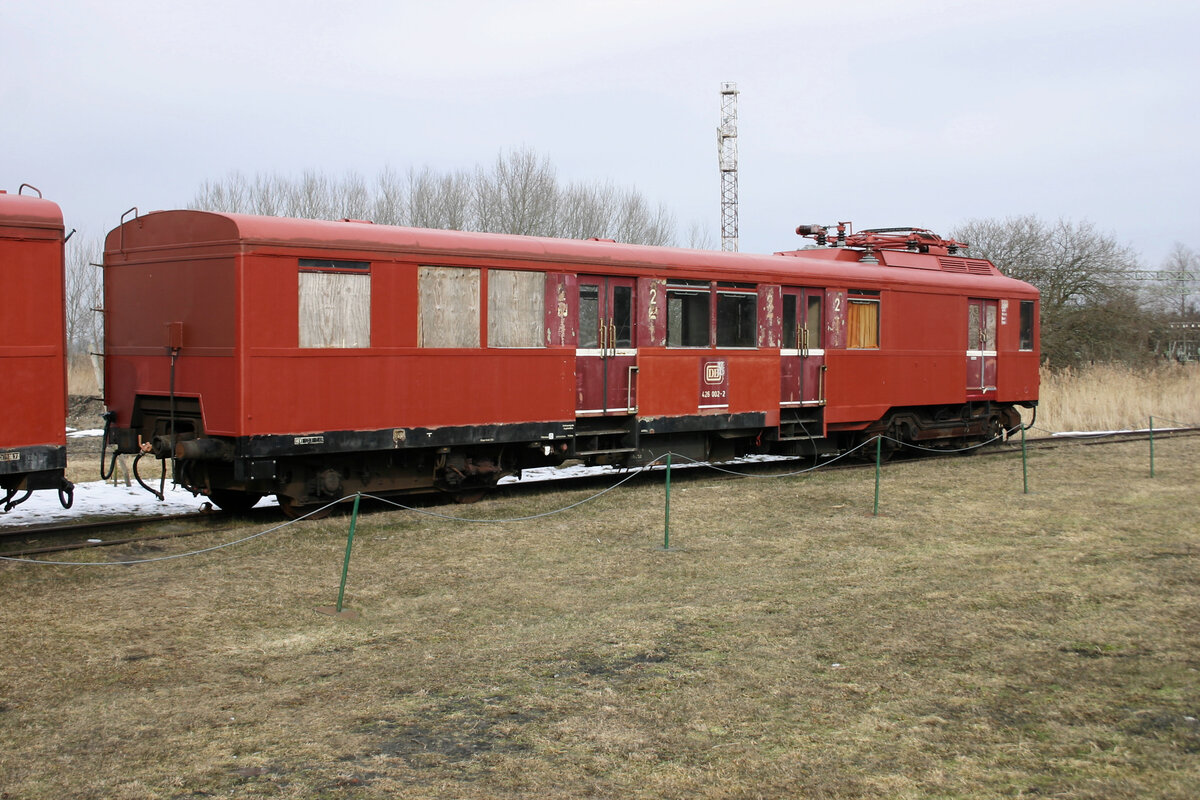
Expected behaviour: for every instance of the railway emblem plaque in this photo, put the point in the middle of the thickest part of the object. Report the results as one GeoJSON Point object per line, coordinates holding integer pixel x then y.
{"type": "Point", "coordinates": [714, 383]}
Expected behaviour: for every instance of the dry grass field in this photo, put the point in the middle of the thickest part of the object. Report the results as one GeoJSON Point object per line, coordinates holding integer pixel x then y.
{"type": "Point", "coordinates": [1116, 397]}
{"type": "Point", "coordinates": [971, 641]}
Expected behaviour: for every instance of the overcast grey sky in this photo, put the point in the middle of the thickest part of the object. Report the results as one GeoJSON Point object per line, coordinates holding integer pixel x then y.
{"type": "Point", "coordinates": [922, 113]}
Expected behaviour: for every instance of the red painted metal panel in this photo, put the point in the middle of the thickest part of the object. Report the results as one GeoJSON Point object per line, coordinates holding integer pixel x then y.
{"type": "Point", "coordinates": [652, 302]}
{"type": "Point", "coordinates": [326, 390]}
{"type": "Point", "coordinates": [562, 310]}
{"type": "Point", "coordinates": [668, 382]}
{"type": "Point", "coordinates": [143, 298]}
{"type": "Point", "coordinates": [770, 316]}
{"type": "Point", "coordinates": [753, 381]}
{"type": "Point", "coordinates": [835, 319]}
{"type": "Point", "coordinates": [393, 302]}
{"type": "Point", "coordinates": [33, 391]}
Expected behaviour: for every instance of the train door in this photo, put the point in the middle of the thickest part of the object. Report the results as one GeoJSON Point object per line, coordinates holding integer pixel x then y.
{"type": "Point", "coordinates": [981, 346]}
{"type": "Point", "coordinates": [606, 359]}
{"type": "Point", "coordinates": [802, 355]}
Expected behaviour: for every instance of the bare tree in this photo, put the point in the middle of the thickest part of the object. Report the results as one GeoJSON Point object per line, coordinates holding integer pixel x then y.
{"type": "Point", "coordinates": [1068, 262]}
{"type": "Point", "coordinates": [1088, 310]}
{"type": "Point", "coordinates": [438, 200]}
{"type": "Point", "coordinates": [519, 193]}
{"type": "Point", "coordinates": [699, 237]}
{"type": "Point", "coordinates": [1179, 281]}
{"type": "Point", "coordinates": [354, 200]}
{"type": "Point", "coordinates": [585, 210]}
{"type": "Point", "coordinates": [84, 296]}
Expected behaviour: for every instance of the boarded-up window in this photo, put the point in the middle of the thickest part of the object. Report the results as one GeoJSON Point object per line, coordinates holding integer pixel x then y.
{"type": "Point", "coordinates": [335, 309]}
{"type": "Point", "coordinates": [449, 306]}
{"type": "Point", "coordinates": [516, 308]}
{"type": "Point", "coordinates": [862, 324]}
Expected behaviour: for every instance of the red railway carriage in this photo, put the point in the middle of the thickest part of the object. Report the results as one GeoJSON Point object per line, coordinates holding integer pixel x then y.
{"type": "Point", "coordinates": [310, 359]}
{"type": "Point", "coordinates": [33, 378]}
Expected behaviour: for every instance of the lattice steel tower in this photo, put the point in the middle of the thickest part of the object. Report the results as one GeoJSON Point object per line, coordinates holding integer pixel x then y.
{"type": "Point", "coordinates": [727, 160]}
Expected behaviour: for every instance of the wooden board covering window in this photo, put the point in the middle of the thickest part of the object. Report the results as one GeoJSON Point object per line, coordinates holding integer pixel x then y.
{"type": "Point", "coordinates": [449, 306]}
{"type": "Point", "coordinates": [335, 309]}
{"type": "Point", "coordinates": [516, 308]}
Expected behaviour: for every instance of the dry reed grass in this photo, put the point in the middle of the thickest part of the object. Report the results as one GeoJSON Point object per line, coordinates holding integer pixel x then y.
{"type": "Point", "coordinates": [1107, 397]}
{"type": "Point", "coordinates": [81, 377]}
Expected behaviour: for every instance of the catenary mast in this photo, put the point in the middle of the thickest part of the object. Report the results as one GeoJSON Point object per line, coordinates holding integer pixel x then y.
{"type": "Point", "coordinates": [727, 160]}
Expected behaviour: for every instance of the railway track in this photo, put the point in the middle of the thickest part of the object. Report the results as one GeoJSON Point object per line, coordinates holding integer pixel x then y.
{"type": "Point", "coordinates": [41, 540]}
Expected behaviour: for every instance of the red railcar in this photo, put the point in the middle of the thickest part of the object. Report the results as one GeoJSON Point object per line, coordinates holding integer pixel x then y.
{"type": "Point", "coordinates": [33, 377]}
{"type": "Point", "coordinates": [310, 359]}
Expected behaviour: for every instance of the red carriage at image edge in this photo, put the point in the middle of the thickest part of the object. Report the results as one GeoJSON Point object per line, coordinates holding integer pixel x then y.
{"type": "Point", "coordinates": [33, 383]}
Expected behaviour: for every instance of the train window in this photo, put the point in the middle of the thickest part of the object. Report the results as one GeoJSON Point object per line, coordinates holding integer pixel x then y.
{"type": "Point", "coordinates": [335, 309]}
{"type": "Point", "coordinates": [1026, 325]}
{"type": "Point", "coordinates": [589, 315]}
{"type": "Point", "coordinates": [802, 319]}
{"type": "Point", "coordinates": [790, 339]}
{"type": "Point", "coordinates": [448, 306]}
{"type": "Point", "coordinates": [737, 311]}
{"type": "Point", "coordinates": [688, 314]}
{"type": "Point", "coordinates": [812, 323]}
{"type": "Point", "coordinates": [516, 308]}
{"type": "Point", "coordinates": [862, 323]}
{"type": "Point", "coordinates": [333, 265]}
{"type": "Point", "coordinates": [622, 316]}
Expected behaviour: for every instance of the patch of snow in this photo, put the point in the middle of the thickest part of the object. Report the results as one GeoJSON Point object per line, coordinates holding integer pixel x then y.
{"type": "Point", "coordinates": [1089, 434]}
{"type": "Point", "coordinates": [94, 432]}
{"type": "Point", "coordinates": [100, 499]}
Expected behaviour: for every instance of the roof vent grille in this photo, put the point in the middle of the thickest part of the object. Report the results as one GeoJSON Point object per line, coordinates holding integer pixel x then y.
{"type": "Point", "coordinates": [973, 266]}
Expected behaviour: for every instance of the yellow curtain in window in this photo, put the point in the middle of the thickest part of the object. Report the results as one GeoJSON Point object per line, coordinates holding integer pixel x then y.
{"type": "Point", "coordinates": [862, 324]}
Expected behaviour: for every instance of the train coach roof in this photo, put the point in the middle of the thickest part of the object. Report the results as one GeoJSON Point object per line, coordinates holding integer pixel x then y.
{"type": "Point", "coordinates": [171, 229]}
{"type": "Point", "coordinates": [25, 211]}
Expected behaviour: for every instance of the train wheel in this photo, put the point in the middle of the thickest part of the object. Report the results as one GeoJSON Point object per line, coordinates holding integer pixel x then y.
{"type": "Point", "coordinates": [469, 496]}
{"type": "Point", "coordinates": [995, 431]}
{"type": "Point", "coordinates": [234, 502]}
{"type": "Point", "coordinates": [293, 510]}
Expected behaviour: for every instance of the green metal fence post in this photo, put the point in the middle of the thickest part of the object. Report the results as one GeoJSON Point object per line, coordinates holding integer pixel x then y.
{"type": "Point", "coordinates": [1024, 461]}
{"type": "Point", "coordinates": [349, 545]}
{"type": "Point", "coordinates": [667, 521]}
{"type": "Point", "coordinates": [878, 461]}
